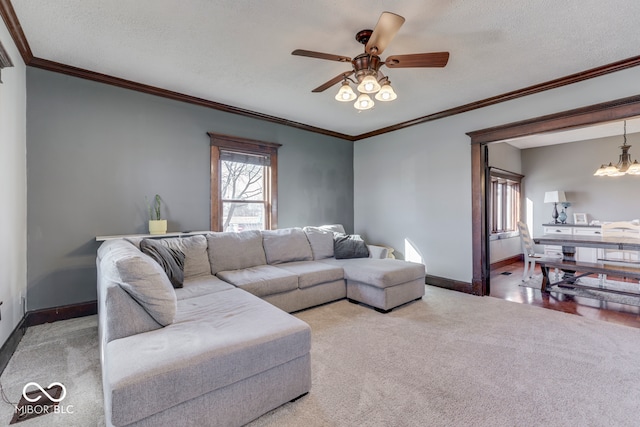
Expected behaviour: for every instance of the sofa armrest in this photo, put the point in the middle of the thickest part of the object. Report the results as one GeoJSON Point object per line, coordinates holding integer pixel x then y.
{"type": "Point", "coordinates": [377, 252]}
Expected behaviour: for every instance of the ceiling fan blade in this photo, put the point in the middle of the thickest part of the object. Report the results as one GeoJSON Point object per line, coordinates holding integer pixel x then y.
{"type": "Point", "coordinates": [333, 81]}
{"type": "Point", "coordinates": [434, 59]}
{"type": "Point", "coordinates": [320, 55]}
{"type": "Point", "coordinates": [385, 30]}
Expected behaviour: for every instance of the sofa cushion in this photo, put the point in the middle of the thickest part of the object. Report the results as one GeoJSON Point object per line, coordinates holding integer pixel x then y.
{"type": "Point", "coordinates": [171, 260]}
{"type": "Point", "coordinates": [148, 284]}
{"type": "Point", "coordinates": [311, 273]}
{"type": "Point", "coordinates": [382, 273]}
{"type": "Point", "coordinates": [115, 303]}
{"type": "Point", "coordinates": [196, 258]}
{"type": "Point", "coordinates": [346, 246]}
{"type": "Point", "coordinates": [321, 242]}
{"type": "Point", "coordinates": [286, 245]}
{"type": "Point", "coordinates": [261, 280]}
{"type": "Point", "coordinates": [201, 285]}
{"type": "Point", "coordinates": [334, 228]}
{"type": "Point", "coordinates": [234, 251]}
{"type": "Point", "coordinates": [216, 340]}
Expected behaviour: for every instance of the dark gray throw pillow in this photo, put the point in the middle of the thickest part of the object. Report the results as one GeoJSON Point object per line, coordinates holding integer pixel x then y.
{"type": "Point", "coordinates": [171, 260]}
{"type": "Point", "coordinates": [347, 246]}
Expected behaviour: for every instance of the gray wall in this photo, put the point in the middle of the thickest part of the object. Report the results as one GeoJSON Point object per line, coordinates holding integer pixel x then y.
{"type": "Point", "coordinates": [570, 167]}
{"type": "Point", "coordinates": [95, 151]}
{"type": "Point", "coordinates": [415, 184]}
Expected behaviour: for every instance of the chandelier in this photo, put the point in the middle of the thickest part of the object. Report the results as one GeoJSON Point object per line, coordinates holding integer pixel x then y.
{"type": "Point", "coordinates": [369, 81]}
{"type": "Point", "coordinates": [625, 166]}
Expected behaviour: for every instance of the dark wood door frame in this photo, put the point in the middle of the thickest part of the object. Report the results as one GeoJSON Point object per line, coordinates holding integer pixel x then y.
{"type": "Point", "coordinates": [571, 119]}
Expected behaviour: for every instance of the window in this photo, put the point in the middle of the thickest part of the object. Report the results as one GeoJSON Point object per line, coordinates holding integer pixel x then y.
{"type": "Point", "coordinates": [504, 201]}
{"type": "Point", "coordinates": [243, 184]}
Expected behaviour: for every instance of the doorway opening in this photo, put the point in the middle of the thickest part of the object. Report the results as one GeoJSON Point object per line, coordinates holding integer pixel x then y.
{"type": "Point", "coordinates": [480, 181]}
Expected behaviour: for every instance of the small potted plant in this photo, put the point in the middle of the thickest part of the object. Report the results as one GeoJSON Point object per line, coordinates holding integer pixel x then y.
{"type": "Point", "coordinates": [156, 225]}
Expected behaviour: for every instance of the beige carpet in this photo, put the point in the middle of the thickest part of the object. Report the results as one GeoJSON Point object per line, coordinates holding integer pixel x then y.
{"type": "Point", "coordinates": [449, 360]}
{"type": "Point", "coordinates": [65, 352]}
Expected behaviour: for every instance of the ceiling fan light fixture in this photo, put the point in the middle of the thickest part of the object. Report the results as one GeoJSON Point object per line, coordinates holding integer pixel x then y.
{"type": "Point", "coordinates": [363, 102]}
{"type": "Point", "coordinates": [386, 93]}
{"type": "Point", "coordinates": [345, 93]}
{"type": "Point", "coordinates": [369, 84]}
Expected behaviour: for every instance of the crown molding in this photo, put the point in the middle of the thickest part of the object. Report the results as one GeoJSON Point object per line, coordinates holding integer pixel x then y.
{"type": "Point", "coordinates": [57, 67]}
{"type": "Point", "coordinates": [15, 29]}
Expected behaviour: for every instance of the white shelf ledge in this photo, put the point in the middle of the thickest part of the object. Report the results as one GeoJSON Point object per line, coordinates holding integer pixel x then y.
{"type": "Point", "coordinates": [170, 234]}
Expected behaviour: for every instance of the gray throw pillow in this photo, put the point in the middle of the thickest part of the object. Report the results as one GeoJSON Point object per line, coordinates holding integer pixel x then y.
{"type": "Point", "coordinates": [171, 260]}
{"type": "Point", "coordinates": [147, 283]}
{"type": "Point", "coordinates": [347, 246]}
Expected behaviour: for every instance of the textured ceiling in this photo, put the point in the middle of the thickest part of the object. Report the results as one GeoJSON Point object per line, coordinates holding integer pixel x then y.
{"type": "Point", "coordinates": [239, 52]}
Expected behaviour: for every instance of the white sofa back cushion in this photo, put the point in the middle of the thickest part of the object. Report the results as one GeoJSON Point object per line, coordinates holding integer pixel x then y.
{"type": "Point", "coordinates": [321, 241]}
{"type": "Point", "coordinates": [286, 245]}
{"type": "Point", "coordinates": [235, 251]}
{"type": "Point", "coordinates": [148, 284]}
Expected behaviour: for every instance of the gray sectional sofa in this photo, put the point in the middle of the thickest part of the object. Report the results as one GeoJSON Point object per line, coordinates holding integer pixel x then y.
{"type": "Point", "coordinates": [223, 348]}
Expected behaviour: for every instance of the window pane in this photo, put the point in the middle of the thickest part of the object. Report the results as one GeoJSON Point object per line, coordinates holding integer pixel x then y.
{"type": "Point", "coordinates": [243, 216]}
{"type": "Point", "coordinates": [508, 226]}
{"type": "Point", "coordinates": [500, 199]}
{"type": "Point", "coordinates": [242, 181]}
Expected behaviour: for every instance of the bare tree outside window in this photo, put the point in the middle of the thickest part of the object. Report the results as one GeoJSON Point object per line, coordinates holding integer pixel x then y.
{"type": "Point", "coordinates": [244, 184]}
{"type": "Point", "coordinates": [243, 201]}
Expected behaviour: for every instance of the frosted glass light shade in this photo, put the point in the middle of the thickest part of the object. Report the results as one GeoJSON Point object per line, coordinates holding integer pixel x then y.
{"type": "Point", "coordinates": [363, 102]}
{"type": "Point", "coordinates": [386, 93]}
{"type": "Point", "coordinates": [634, 169]}
{"type": "Point", "coordinates": [601, 171]}
{"type": "Point", "coordinates": [369, 85]}
{"type": "Point", "coordinates": [612, 170]}
{"type": "Point", "coordinates": [345, 93]}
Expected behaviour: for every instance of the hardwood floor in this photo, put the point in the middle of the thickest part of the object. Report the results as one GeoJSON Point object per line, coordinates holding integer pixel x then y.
{"type": "Point", "coordinates": [508, 287]}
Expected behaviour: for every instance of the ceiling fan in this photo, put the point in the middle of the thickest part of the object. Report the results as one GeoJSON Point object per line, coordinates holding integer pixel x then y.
{"type": "Point", "coordinates": [366, 66]}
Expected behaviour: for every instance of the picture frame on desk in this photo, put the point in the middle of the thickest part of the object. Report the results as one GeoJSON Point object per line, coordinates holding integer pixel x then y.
{"type": "Point", "coordinates": [580, 219]}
